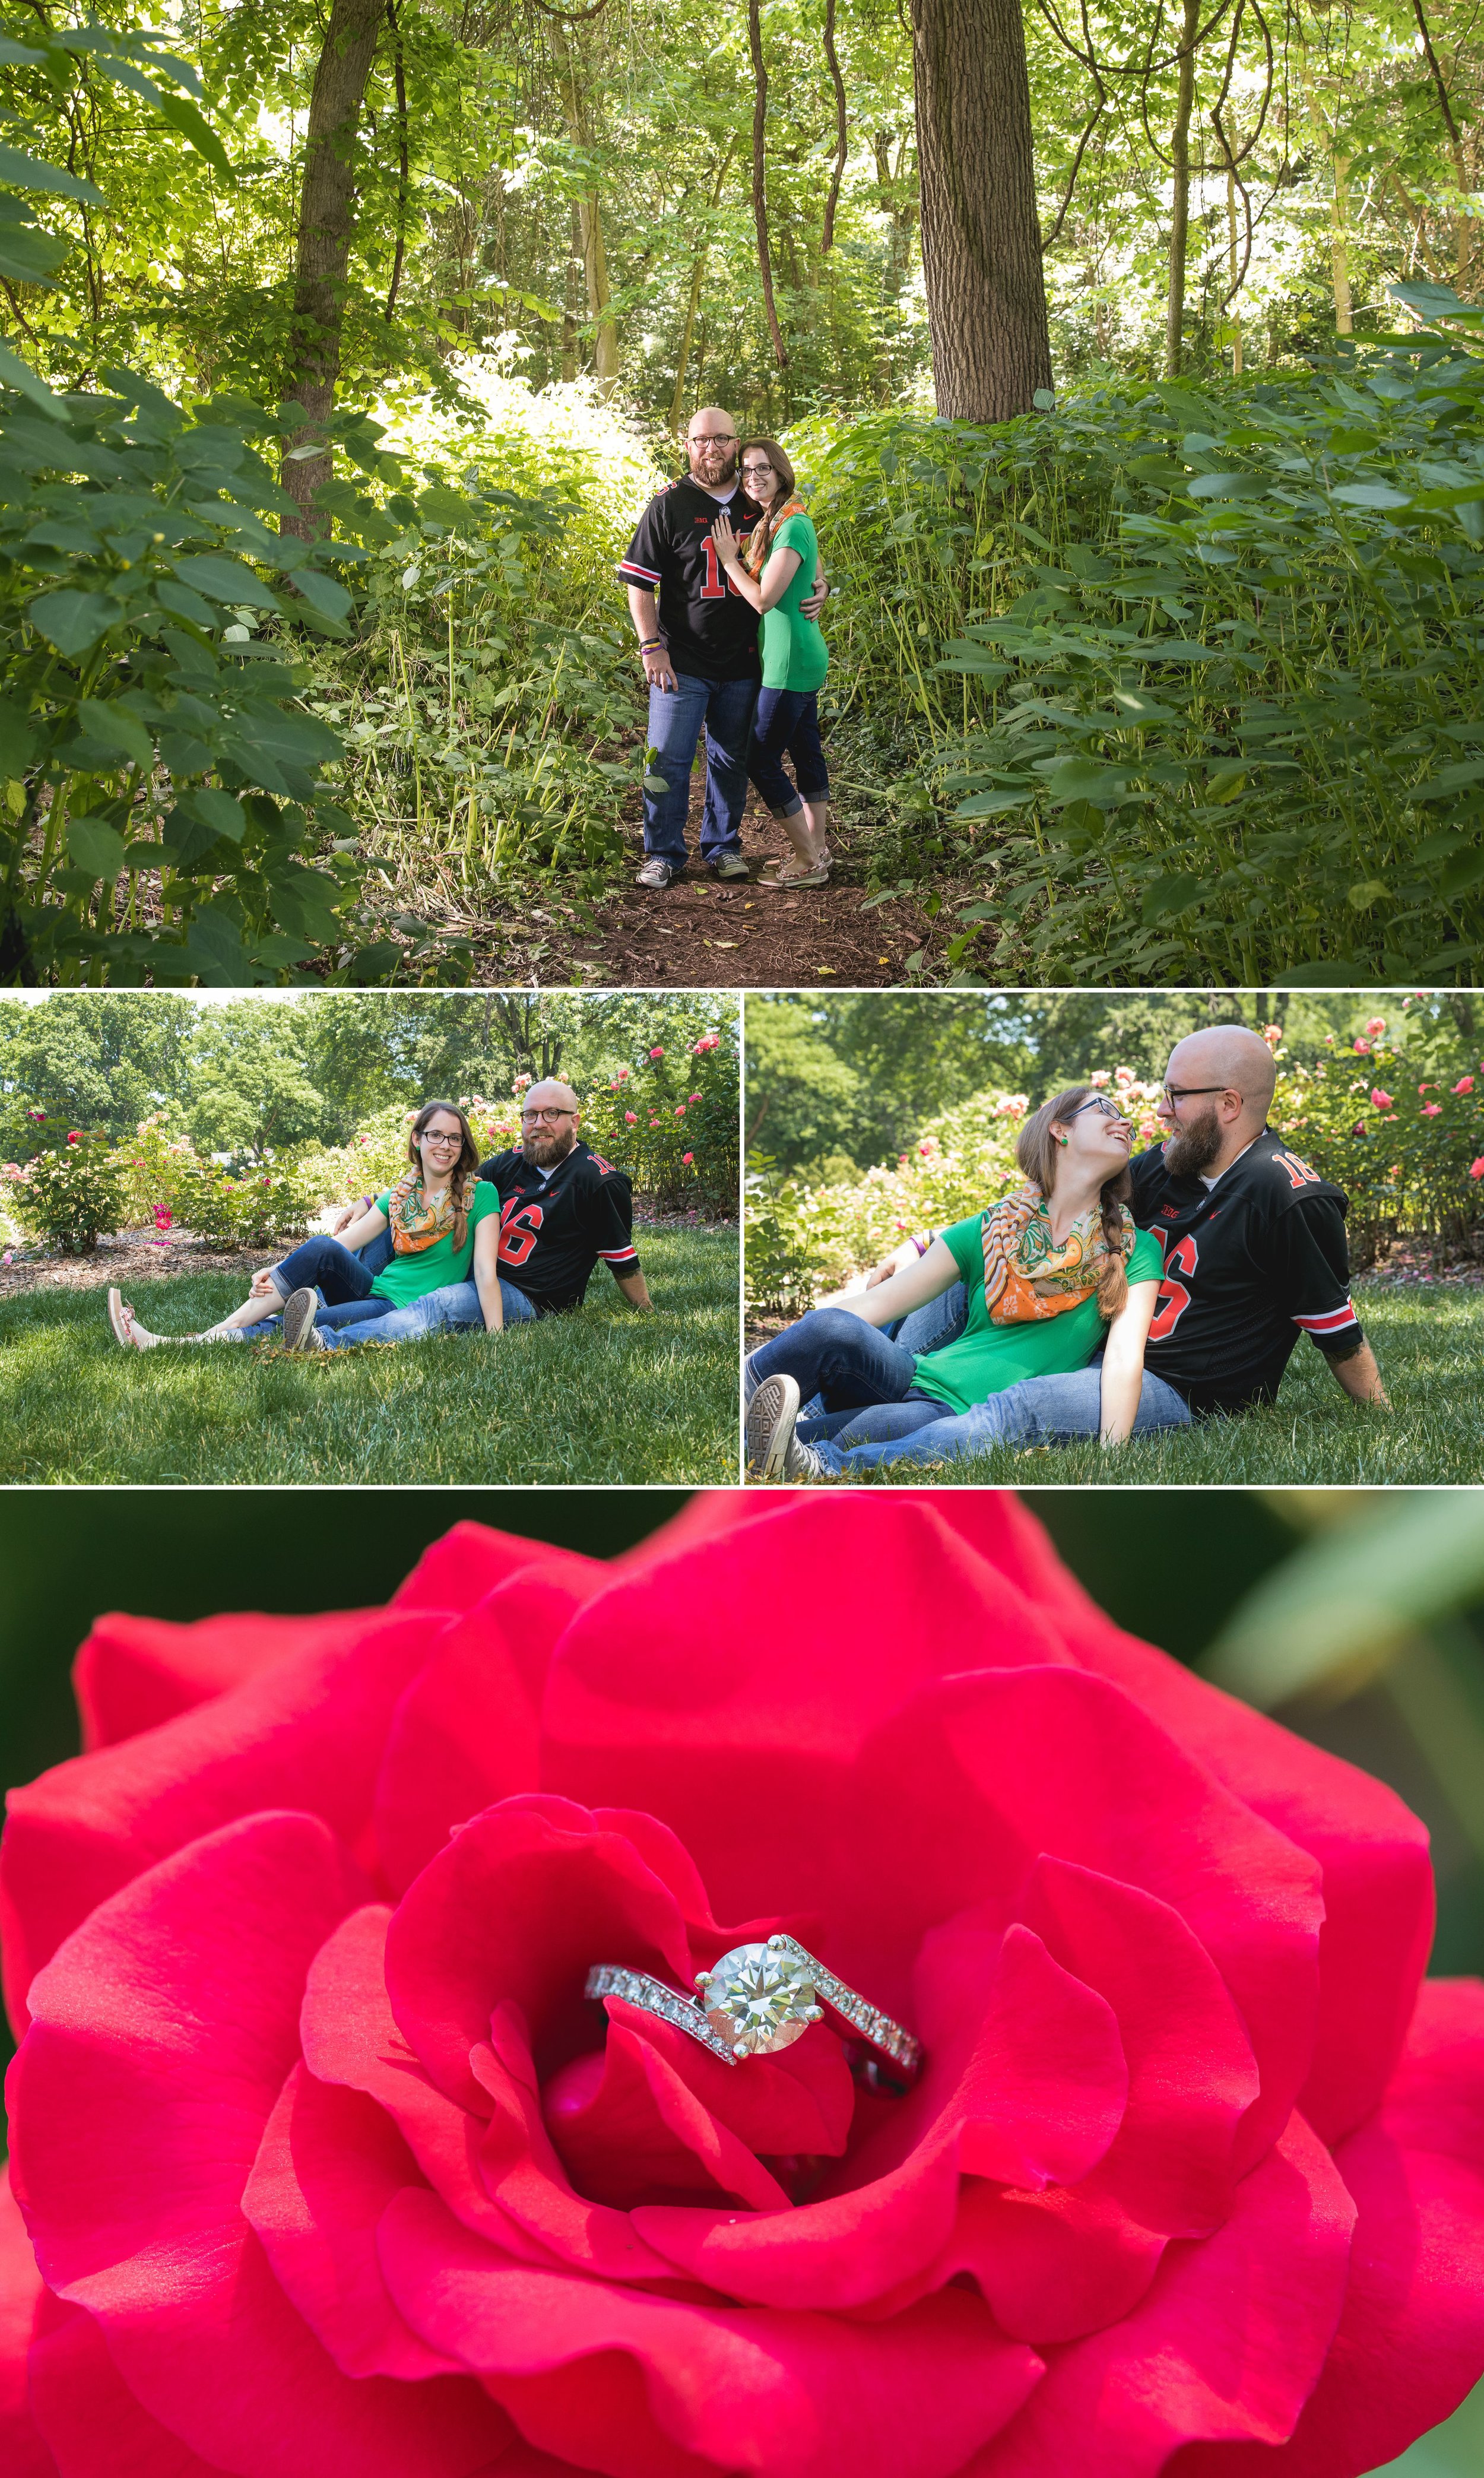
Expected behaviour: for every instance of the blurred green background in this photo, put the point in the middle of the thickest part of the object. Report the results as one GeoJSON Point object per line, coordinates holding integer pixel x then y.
{"type": "Point", "coordinates": [1356, 1616]}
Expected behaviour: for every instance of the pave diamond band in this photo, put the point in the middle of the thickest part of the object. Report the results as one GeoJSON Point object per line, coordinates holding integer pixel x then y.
{"type": "Point", "coordinates": [760, 1997]}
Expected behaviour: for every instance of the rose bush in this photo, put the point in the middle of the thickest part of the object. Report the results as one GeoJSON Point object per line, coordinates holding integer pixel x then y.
{"type": "Point", "coordinates": [322, 2168]}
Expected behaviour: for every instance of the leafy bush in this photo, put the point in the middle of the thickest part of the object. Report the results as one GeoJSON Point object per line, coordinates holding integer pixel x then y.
{"type": "Point", "coordinates": [1408, 1149]}
{"type": "Point", "coordinates": [166, 1179]}
{"type": "Point", "coordinates": [66, 1197]}
{"type": "Point", "coordinates": [1189, 677]}
{"type": "Point", "coordinates": [670, 1121]}
{"type": "Point", "coordinates": [374, 1159]}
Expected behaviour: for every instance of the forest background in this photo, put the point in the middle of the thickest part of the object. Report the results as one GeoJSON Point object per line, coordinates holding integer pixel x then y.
{"type": "Point", "coordinates": [450, 280]}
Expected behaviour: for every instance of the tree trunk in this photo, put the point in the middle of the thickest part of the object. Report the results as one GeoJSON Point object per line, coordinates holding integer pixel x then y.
{"type": "Point", "coordinates": [759, 185]}
{"type": "Point", "coordinates": [1180, 191]}
{"type": "Point", "coordinates": [590, 214]}
{"type": "Point", "coordinates": [1232, 266]}
{"type": "Point", "coordinates": [981, 240]}
{"type": "Point", "coordinates": [677, 402]}
{"type": "Point", "coordinates": [569, 359]}
{"type": "Point", "coordinates": [1339, 247]}
{"type": "Point", "coordinates": [327, 222]}
{"type": "Point", "coordinates": [842, 130]}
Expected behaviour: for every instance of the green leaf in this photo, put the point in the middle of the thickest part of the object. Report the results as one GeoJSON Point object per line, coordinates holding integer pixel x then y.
{"type": "Point", "coordinates": [19, 374]}
{"type": "Point", "coordinates": [992, 804]}
{"type": "Point", "coordinates": [72, 621]}
{"type": "Point", "coordinates": [95, 847]}
{"type": "Point", "coordinates": [226, 580]}
{"type": "Point", "coordinates": [1371, 495]}
{"type": "Point", "coordinates": [656, 784]}
{"type": "Point", "coordinates": [114, 728]}
{"type": "Point", "coordinates": [216, 950]}
{"type": "Point", "coordinates": [326, 594]}
{"type": "Point", "coordinates": [1370, 891]}
{"type": "Point", "coordinates": [1452, 778]}
{"type": "Point", "coordinates": [18, 742]}
{"type": "Point", "coordinates": [1164, 898]}
{"type": "Point", "coordinates": [186, 605]}
{"type": "Point", "coordinates": [27, 254]}
{"type": "Point", "coordinates": [28, 173]}
{"type": "Point", "coordinates": [1140, 708]}
{"type": "Point", "coordinates": [218, 810]}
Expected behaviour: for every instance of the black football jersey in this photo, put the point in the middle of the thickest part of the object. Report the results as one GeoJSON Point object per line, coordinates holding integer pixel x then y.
{"type": "Point", "coordinates": [712, 631]}
{"type": "Point", "coordinates": [553, 1231]}
{"type": "Point", "coordinates": [1250, 1265]}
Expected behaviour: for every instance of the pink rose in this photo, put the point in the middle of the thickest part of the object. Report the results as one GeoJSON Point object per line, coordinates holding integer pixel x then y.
{"type": "Point", "coordinates": [322, 2163]}
{"type": "Point", "coordinates": [631, 1118]}
{"type": "Point", "coordinates": [693, 1097]}
{"type": "Point", "coordinates": [1099, 1075]}
{"type": "Point", "coordinates": [76, 1136]}
{"type": "Point", "coordinates": [680, 1109]}
{"type": "Point", "coordinates": [1431, 1109]}
{"type": "Point", "coordinates": [1464, 1084]}
{"type": "Point", "coordinates": [164, 1217]}
{"type": "Point", "coordinates": [1379, 1100]}
{"type": "Point", "coordinates": [686, 1160]}
{"type": "Point", "coordinates": [1363, 1047]}
{"type": "Point", "coordinates": [658, 1054]}
{"type": "Point", "coordinates": [1476, 1168]}
{"type": "Point", "coordinates": [1377, 1026]}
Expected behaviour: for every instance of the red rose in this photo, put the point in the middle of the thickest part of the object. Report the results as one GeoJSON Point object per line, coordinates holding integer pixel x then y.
{"type": "Point", "coordinates": [330, 2171]}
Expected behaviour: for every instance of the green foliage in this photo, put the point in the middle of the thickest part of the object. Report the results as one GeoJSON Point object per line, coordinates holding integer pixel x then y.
{"type": "Point", "coordinates": [1188, 680]}
{"type": "Point", "coordinates": [671, 1122]}
{"type": "Point", "coordinates": [68, 1196]}
{"type": "Point", "coordinates": [168, 799]}
{"type": "Point", "coordinates": [1408, 1150]}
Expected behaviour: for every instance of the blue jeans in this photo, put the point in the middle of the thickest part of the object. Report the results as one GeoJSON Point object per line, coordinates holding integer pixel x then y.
{"type": "Point", "coordinates": [788, 722]}
{"type": "Point", "coordinates": [839, 1357]}
{"type": "Point", "coordinates": [1041, 1410]}
{"type": "Point", "coordinates": [675, 718]}
{"type": "Point", "coordinates": [927, 1329]}
{"type": "Point", "coordinates": [451, 1310]}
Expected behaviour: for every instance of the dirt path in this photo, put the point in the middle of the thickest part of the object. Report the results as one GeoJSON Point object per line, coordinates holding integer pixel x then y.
{"type": "Point", "coordinates": [701, 934]}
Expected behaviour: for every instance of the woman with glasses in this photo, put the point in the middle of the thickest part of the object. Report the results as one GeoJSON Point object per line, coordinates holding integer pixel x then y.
{"type": "Point", "coordinates": [443, 1226]}
{"type": "Point", "coordinates": [774, 570]}
{"type": "Point", "coordinates": [1053, 1274]}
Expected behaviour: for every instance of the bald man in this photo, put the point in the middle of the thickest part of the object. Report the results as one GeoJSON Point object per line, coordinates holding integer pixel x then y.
{"type": "Point", "coordinates": [699, 643]}
{"type": "Point", "coordinates": [562, 1209]}
{"type": "Point", "coordinates": [1254, 1249]}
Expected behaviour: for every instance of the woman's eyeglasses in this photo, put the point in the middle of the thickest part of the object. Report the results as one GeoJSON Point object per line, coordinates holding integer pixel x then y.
{"type": "Point", "coordinates": [1109, 1109]}
{"type": "Point", "coordinates": [436, 1137]}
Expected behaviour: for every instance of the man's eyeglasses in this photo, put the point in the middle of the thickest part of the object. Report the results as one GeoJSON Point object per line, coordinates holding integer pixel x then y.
{"type": "Point", "coordinates": [1109, 1109]}
{"type": "Point", "coordinates": [715, 438]}
{"type": "Point", "coordinates": [534, 1118]}
{"type": "Point", "coordinates": [1174, 1093]}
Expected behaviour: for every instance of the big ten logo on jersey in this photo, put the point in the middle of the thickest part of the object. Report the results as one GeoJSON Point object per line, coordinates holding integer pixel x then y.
{"type": "Point", "coordinates": [1300, 1175]}
{"type": "Point", "coordinates": [520, 1227]}
{"type": "Point", "coordinates": [1173, 1296]}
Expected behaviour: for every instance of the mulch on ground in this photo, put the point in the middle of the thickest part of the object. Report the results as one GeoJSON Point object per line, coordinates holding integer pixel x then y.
{"type": "Point", "coordinates": [124, 1256]}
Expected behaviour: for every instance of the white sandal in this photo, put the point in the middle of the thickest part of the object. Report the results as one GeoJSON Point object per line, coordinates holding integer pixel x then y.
{"type": "Point", "coordinates": [801, 872]}
{"type": "Point", "coordinates": [127, 1328]}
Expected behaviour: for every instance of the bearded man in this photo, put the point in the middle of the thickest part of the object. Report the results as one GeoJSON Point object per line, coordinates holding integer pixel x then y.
{"type": "Point", "coordinates": [699, 643]}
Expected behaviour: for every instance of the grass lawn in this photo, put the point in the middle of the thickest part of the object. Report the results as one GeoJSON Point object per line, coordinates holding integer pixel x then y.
{"type": "Point", "coordinates": [1430, 1345]}
{"type": "Point", "coordinates": [604, 1396]}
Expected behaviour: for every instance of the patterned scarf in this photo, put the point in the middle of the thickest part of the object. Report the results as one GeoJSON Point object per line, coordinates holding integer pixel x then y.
{"type": "Point", "coordinates": [415, 1224]}
{"type": "Point", "coordinates": [766, 530]}
{"type": "Point", "coordinates": [1028, 1273]}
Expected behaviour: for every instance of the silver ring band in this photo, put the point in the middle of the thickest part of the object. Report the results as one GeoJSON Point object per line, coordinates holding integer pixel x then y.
{"type": "Point", "coordinates": [760, 1997]}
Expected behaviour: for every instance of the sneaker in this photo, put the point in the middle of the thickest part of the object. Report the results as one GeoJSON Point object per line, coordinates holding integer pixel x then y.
{"type": "Point", "coordinates": [802, 1462]}
{"type": "Point", "coordinates": [730, 865]}
{"type": "Point", "coordinates": [771, 1417]}
{"type": "Point", "coordinates": [656, 872]}
{"type": "Point", "coordinates": [300, 1309]}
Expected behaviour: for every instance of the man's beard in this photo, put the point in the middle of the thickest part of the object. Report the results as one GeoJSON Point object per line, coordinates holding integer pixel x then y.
{"type": "Point", "coordinates": [545, 1151]}
{"type": "Point", "coordinates": [1196, 1147]}
{"type": "Point", "coordinates": [713, 482]}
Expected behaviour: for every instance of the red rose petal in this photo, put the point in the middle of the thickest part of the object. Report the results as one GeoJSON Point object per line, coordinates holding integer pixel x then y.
{"type": "Point", "coordinates": [308, 1734]}
{"type": "Point", "coordinates": [624, 2123]}
{"type": "Point", "coordinates": [329, 2163]}
{"type": "Point", "coordinates": [134, 1673]}
{"type": "Point", "coordinates": [803, 2100]}
{"type": "Point", "coordinates": [471, 1561]}
{"type": "Point", "coordinates": [91, 2418]}
{"type": "Point", "coordinates": [1051, 2267]}
{"type": "Point", "coordinates": [466, 1733]}
{"type": "Point", "coordinates": [744, 2390]}
{"type": "Point", "coordinates": [23, 2452]}
{"type": "Point", "coordinates": [515, 1908]}
{"type": "Point", "coordinates": [985, 2099]}
{"type": "Point", "coordinates": [1227, 2341]}
{"type": "Point", "coordinates": [157, 2047]}
{"type": "Point", "coordinates": [1410, 2345]}
{"type": "Point", "coordinates": [1378, 1889]}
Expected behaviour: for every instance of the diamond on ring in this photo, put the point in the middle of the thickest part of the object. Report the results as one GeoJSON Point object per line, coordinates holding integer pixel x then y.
{"type": "Point", "coordinates": [760, 1997]}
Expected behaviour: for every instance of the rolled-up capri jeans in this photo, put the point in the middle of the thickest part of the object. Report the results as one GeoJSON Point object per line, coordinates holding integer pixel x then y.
{"type": "Point", "coordinates": [787, 723]}
{"type": "Point", "coordinates": [927, 1329]}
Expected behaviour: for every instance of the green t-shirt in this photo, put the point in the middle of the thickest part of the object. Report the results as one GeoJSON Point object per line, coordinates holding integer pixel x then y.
{"type": "Point", "coordinates": [795, 653]}
{"type": "Point", "coordinates": [406, 1278]}
{"type": "Point", "coordinates": [987, 1357]}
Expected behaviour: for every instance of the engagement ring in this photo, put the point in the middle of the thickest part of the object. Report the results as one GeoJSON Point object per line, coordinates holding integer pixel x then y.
{"type": "Point", "coordinates": [760, 1997]}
